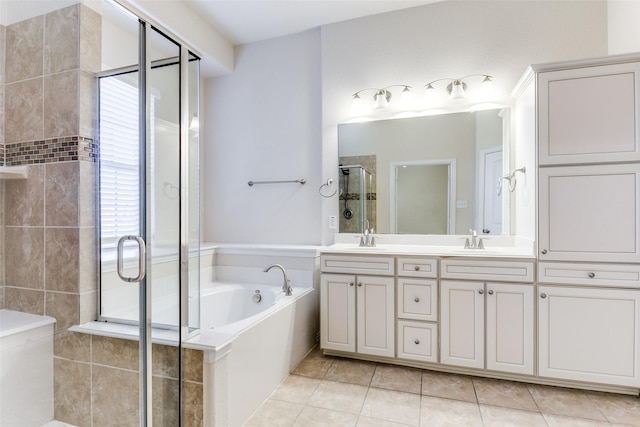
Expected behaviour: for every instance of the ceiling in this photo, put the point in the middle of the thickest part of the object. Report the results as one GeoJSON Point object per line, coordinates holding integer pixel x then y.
{"type": "Point", "coordinates": [248, 21]}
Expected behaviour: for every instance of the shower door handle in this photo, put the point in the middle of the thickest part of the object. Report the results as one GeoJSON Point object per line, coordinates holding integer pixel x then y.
{"type": "Point", "coordinates": [142, 258]}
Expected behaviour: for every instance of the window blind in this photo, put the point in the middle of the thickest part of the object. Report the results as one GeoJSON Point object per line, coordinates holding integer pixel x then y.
{"type": "Point", "coordinates": [119, 161]}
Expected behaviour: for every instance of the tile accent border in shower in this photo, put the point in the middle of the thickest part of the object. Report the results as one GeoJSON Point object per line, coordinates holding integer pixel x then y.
{"type": "Point", "coordinates": [51, 150]}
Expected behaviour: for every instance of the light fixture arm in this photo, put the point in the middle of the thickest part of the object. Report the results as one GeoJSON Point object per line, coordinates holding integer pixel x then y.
{"type": "Point", "coordinates": [459, 79]}
{"type": "Point", "coordinates": [475, 75]}
{"type": "Point", "coordinates": [381, 90]}
{"type": "Point", "coordinates": [436, 81]}
{"type": "Point", "coordinates": [364, 90]}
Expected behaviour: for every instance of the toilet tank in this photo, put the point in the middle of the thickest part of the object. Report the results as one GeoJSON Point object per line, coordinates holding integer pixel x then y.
{"type": "Point", "coordinates": [26, 369]}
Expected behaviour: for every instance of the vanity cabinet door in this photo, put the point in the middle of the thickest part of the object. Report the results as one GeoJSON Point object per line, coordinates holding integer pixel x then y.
{"type": "Point", "coordinates": [509, 327]}
{"type": "Point", "coordinates": [375, 315]}
{"type": "Point", "coordinates": [357, 314]}
{"type": "Point", "coordinates": [507, 337]}
{"type": "Point", "coordinates": [338, 312]}
{"type": "Point", "coordinates": [587, 334]}
{"type": "Point", "coordinates": [589, 115]}
{"type": "Point", "coordinates": [462, 323]}
{"type": "Point", "coordinates": [589, 213]}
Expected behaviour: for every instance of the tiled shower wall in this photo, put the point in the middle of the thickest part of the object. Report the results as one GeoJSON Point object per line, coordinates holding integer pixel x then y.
{"type": "Point", "coordinates": [352, 196]}
{"type": "Point", "coordinates": [48, 234]}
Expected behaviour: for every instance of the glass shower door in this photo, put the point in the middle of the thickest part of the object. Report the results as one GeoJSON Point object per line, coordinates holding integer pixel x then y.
{"type": "Point", "coordinates": [145, 209]}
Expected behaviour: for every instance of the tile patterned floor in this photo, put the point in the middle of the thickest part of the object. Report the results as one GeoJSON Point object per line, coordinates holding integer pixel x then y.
{"type": "Point", "coordinates": [335, 392]}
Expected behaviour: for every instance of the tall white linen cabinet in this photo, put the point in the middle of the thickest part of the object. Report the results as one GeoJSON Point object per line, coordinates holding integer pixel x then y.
{"type": "Point", "coordinates": [586, 115]}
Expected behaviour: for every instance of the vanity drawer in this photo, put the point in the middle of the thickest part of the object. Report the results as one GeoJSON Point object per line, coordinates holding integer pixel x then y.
{"type": "Point", "coordinates": [418, 341]}
{"type": "Point", "coordinates": [354, 264]}
{"type": "Point", "coordinates": [418, 299]}
{"type": "Point", "coordinates": [418, 267]}
{"type": "Point", "coordinates": [503, 271]}
{"type": "Point", "coordinates": [614, 275]}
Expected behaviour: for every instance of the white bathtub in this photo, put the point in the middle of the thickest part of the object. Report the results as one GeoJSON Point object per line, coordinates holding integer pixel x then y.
{"type": "Point", "coordinates": [250, 347]}
{"type": "Point", "coordinates": [26, 369]}
{"type": "Point", "coordinates": [232, 306]}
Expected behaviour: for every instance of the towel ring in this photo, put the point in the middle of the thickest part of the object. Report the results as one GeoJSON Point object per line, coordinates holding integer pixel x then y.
{"type": "Point", "coordinates": [327, 185]}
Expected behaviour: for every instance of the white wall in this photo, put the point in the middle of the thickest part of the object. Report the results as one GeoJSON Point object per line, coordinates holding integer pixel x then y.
{"type": "Point", "coordinates": [263, 123]}
{"type": "Point", "coordinates": [624, 28]}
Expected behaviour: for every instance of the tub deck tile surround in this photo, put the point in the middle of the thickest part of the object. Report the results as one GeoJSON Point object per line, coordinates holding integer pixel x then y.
{"type": "Point", "coordinates": [381, 395]}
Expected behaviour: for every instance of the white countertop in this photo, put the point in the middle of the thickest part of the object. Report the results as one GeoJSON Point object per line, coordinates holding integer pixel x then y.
{"type": "Point", "coordinates": [440, 246]}
{"type": "Point", "coordinates": [429, 250]}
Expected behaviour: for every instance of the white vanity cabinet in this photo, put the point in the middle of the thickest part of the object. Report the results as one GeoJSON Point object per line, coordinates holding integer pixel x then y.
{"type": "Point", "coordinates": [357, 310]}
{"type": "Point", "coordinates": [485, 323]}
{"type": "Point", "coordinates": [589, 334]}
{"type": "Point", "coordinates": [417, 309]}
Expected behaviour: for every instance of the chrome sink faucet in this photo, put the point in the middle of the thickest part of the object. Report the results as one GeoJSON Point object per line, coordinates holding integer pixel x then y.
{"type": "Point", "coordinates": [367, 239]}
{"type": "Point", "coordinates": [473, 241]}
{"type": "Point", "coordinates": [286, 286]}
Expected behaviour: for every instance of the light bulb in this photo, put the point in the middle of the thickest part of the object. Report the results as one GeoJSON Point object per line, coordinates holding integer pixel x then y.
{"type": "Point", "coordinates": [487, 85]}
{"type": "Point", "coordinates": [357, 106]}
{"type": "Point", "coordinates": [406, 98]}
{"type": "Point", "coordinates": [457, 90]}
{"type": "Point", "coordinates": [381, 99]}
{"type": "Point", "coordinates": [429, 95]}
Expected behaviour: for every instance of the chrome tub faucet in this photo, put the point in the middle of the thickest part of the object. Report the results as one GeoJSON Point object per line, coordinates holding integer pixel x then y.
{"type": "Point", "coordinates": [286, 286]}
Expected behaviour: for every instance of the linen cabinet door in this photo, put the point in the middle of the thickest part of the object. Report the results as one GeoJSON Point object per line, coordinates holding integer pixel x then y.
{"type": "Point", "coordinates": [509, 331]}
{"type": "Point", "coordinates": [338, 312]}
{"type": "Point", "coordinates": [589, 213]}
{"type": "Point", "coordinates": [376, 315]}
{"type": "Point", "coordinates": [589, 115]}
{"type": "Point", "coordinates": [462, 323]}
{"type": "Point", "coordinates": [588, 334]}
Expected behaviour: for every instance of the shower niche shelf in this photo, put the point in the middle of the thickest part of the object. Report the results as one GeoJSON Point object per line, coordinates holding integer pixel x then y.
{"type": "Point", "coordinates": [13, 172]}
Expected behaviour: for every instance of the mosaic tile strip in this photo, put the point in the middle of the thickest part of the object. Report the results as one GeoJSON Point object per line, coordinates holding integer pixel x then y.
{"type": "Point", "coordinates": [51, 150]}
{"type": "Point", "coordinates": [1, 154]}
{"type": "Point", "coordinates": [356, 196]}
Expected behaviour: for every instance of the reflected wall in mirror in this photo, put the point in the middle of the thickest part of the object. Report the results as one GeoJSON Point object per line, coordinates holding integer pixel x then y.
{"type": "Point", "coordinates": [423, 197]}
{"type": "Point", "coordinates": [473, 141]}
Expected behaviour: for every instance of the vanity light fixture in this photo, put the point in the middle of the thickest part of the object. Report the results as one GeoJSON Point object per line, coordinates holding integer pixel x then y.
{"type": "Point", "coordinates": [456, 87]}
{"type": "Point", "coordinates": [381, 98]}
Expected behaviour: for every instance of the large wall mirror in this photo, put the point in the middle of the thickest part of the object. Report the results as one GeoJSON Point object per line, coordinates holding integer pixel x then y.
{"type": "Point", "coordinates": [423, 175]}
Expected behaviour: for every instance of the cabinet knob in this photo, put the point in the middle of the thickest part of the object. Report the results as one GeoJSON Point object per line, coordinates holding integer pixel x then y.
{"type": "Point", "coordinates": [490, 292]}
{"type": "Point", "coordinates": [544, 251]}
{"type": "Point", "coordinates": [417, 342]}
{"type": "Point", "coordinates": [360, 284]}
{"type": "Point", "coordinates": [543, 295]}
{"type": "Point", "coordinates": [416, 299]}
{"type": "Point", "coordinates": [416, 268]}
{"type": "Point", "coordinates": [481, 291]}
{"type": "Point", "coordinates": [591, 275]}
{"type": "Point", "coordinates": [350, 283]}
